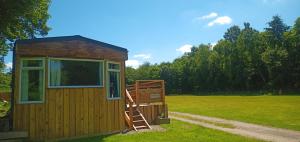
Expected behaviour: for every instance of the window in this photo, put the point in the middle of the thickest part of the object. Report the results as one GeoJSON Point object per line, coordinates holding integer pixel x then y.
{"type": "Point", "coordinates": [113, 80]}
{"type": "Point", "coordinates": [65, 73]}
{"type": "Point", "coordinates": [32, 80]}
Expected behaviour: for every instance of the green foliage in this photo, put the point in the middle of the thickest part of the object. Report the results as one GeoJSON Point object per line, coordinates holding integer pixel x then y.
{"type": "Point", "coordinates": [4, 108]}
{"type": "Point", "coordinates": [232, 33]}
{"type": "Point", "coordinates": [5, 80]}
{"type": "Point", "coordinates": [21, 19]}
{"type": "Point", "coordinates": [245, 60]}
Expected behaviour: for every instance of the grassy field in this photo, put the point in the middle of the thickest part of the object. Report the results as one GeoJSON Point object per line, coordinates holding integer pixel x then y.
{"type": "Point", "coordinates": [276, 111]}
{"type": "Point", "coordinates": [175, 132]}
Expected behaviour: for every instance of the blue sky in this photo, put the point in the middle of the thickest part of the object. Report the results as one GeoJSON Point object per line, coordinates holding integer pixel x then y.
{"type": "Point", "coordinates": [161, 30]}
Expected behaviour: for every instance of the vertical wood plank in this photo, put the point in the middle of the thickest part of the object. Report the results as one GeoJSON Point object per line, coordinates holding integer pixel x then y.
{"type": "Point", "coordinates": [72, 119]}
{"type": "Point", "coordinates": [46, 105]}
{"type": "Point", "coordinates": [59, 113]}
{"type": "Point", "coordinates": [116, 116]}
{"type": "Point", "coordinates": [86, 94]}
{"type": "Point", "coordinates": [32, 121]}
{"type": "Point", "coordinates": [78, 107]}
{"type": "Point", "coordinates": [81, 111]}
{"type": "Point", "coordinates": [66, 112]}
{"type": "Point", "coordinates": [40, 120]}
{"type": "Point", "coordinates": [18, 111]}
{"type": "Point", "coordinates": [109, 115]}
{"type": "Point", "coordinates": [95, 109]}
{"type": "Point", "coordinates": [52, 113]}
{"type": "Point", "coordinates": [26, 120]}
{"type": "Point", "coordinates": [103, 111]}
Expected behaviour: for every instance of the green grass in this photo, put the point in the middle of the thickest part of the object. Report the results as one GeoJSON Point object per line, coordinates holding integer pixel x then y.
{"type": "Point", "coordinates": [276, 111]}
{"type": "Point", "coordinates": [175, 132]}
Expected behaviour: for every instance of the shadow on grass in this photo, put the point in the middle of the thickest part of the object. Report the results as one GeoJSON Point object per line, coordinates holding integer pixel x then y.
{"type": "Point", "coordinates": [89, 139]}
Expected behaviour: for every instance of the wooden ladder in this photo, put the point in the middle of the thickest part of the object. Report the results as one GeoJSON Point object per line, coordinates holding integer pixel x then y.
{"type": "Point", "coordinates": [133, 116]}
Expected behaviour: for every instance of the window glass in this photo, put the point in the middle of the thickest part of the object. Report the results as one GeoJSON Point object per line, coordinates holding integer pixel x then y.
{"type": "Point", "coordinates": [113, 66]}
{"type": "Point", "coordinates": [76, 73]}
{"type": "Point", "coordinates": [32, 81]}
{"type": "Point", "coordinates": [32, 63]}
{"type": "Point", "coordinates": [113, 81]}
{"type": "Point", "coordinates": [114, 84]}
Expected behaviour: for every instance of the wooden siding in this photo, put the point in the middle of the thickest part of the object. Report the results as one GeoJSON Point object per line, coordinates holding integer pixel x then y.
{"type": "Point", "coordinates": [69, 112]}
{"type": "Point", "coordinates": [151, 112]}
{"type": "Point", "coordinates": [70, 49]}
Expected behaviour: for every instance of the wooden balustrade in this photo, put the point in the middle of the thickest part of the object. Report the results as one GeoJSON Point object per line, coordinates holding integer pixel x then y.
{"type": "Point", "coordinates": [145, 99]}
{"type": "Point", "coordinates": [129, 117]}
{"type": "Point", "coordinates": [147, 91]}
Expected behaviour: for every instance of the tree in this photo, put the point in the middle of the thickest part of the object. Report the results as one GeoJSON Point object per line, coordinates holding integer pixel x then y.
{"type": "Point", "coordinates": [275, 55]}
{"type": "Point", "coordinates": [276, 30]}
{"type": "Point", "coordinates": [130, 75]}
{"type": "Point", "coordinates": [232, 33]}
{"type": "Point", "coordinates": [21, 19]}
{"type": "Point", "coordinates": [292, 45]}
{"type": "Point", "coordinates": [245, 59]}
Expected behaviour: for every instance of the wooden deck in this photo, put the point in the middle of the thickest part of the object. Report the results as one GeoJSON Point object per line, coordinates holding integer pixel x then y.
{"type": "Point", "coordinates": [145, 100]}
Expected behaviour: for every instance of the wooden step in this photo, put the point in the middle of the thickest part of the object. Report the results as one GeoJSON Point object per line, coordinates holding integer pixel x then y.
{"type": "Point", "coordinates": [136, 116]}
{"type": "Point", "coordinates": [140, 127]}
{"type": "Point", "coordinates": [134, 111]}
{"type": "Point", "coordinates": [141, 120]}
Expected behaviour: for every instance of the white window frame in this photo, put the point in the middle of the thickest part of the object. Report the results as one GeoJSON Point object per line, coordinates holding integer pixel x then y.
{"type": "Point", "coordinates": [31, 68]}
{"type": "Point", "coordinates": [107, 80]}
{"type": "Point", "coordinates": [82, 86]}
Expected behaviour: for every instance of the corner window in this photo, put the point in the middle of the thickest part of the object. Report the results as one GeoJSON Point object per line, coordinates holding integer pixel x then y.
{"type": "Point", "coordinates": [32, 80]}
{"type": "Point", "coordinates": [64, 73]}
{"type": "Point", "coordinates": [113, 80]}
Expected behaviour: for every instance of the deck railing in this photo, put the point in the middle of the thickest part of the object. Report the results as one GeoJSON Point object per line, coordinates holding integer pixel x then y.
{"type": "Point", "coordinates": [147, 92]}
{"type": "Point", "coordinates": [129, 117]}
{"type": "Point", "coordinates": [142, 96]}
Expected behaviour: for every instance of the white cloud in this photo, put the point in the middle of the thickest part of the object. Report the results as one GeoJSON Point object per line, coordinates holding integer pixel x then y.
{"type": "Point", "coordinates": [8, 65]}
{"type": "Point", "coordinates": [185, 48]}
{"type": "Point", "coordinates": [223, 20]}
{"type": "Point", "coordinates": [212, 45]}
{"type": "Point", "coordinates": [210, 15]}
{"type": "Point", "coordinates": [144, 56]}
{"type": "Point", "coordinates": [133, 63]}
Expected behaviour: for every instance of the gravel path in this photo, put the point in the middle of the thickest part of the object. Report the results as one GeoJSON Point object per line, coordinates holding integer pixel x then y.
{"type": "Point", "coordinates": [240, 128]}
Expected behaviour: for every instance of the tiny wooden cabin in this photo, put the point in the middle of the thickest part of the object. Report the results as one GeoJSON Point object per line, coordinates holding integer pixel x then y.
{"type": "Point", "coordinates": [73, 86]}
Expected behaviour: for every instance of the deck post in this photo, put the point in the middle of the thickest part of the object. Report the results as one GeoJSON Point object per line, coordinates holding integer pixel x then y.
{"type": "Point", "coordinates": [137, 93]}
{"type": "Point", "coordinates": [163, 98]}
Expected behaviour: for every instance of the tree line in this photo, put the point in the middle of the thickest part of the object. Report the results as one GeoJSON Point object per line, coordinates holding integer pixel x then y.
{"type": "Point", "coordinates": [244, 60]}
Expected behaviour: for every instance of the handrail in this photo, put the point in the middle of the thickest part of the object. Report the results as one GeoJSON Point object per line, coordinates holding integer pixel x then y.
{"type": "Point", "coordinates": [129, 96]}
{"type": "Point", "coordinates": [130, 117]}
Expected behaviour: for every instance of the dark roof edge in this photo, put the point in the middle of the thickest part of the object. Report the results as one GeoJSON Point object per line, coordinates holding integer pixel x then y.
{"type": "Point", "coordinates": [66, 38]}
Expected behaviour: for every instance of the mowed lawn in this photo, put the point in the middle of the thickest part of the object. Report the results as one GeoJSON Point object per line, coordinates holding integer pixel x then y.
{"type": "Point", "coordinates": [177, 131]}
{"type": "Point", "coordinates": [276, 111]}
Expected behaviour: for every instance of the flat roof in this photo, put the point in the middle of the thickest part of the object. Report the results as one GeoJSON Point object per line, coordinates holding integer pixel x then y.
{"type": "Point", "coordinates": [66, 38]}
